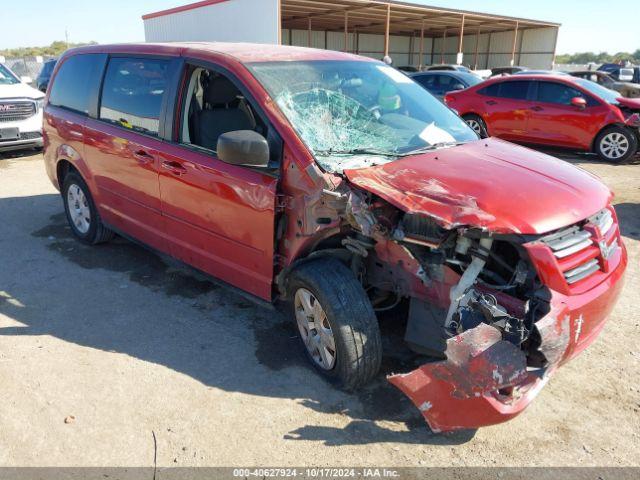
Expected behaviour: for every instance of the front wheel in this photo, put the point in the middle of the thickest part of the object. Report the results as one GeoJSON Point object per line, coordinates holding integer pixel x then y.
{"type": "Point", "coordinates": [616, 144]}
{"type": "Point", "coordinates": [477, 125]}
{"type": "Point", "coordinates": [337, 325]}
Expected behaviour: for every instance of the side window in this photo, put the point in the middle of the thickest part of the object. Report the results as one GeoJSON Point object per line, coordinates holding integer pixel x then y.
{"type": "Point", "coordinates": [551, 92]}
{"type": "Point", "coordinates": [77, 79]}
{"type": "Point", "coordinates": [445, 80]}
{"type": "Point", "coordinates": [132, 93]}
{"type": "Point", "coordinates": [215, 105]}
{"type": "Point", "coordinates": [427, 81]}
{"type": "Point", "coordinates": [516, 90]}
{"type": "Point", "coordinates": [491, 90]}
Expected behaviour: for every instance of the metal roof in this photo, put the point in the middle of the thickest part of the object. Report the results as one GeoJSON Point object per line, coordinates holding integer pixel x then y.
{"type": "Point", "coordinates": [370, 16]}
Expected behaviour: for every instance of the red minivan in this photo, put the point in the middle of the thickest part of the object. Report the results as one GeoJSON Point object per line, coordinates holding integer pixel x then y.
{"type": "Point", "coordinates": [553, 110]}
{"type": "Point", "coordinates": [337, 187]}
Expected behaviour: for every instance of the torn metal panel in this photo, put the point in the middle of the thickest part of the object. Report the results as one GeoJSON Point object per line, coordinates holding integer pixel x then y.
{"type": "Point", "coordinates": [465, 391]}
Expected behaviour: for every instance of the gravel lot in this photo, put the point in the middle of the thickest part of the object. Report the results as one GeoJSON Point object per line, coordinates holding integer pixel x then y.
{"type": "Point", "coordinates": [124, 346]}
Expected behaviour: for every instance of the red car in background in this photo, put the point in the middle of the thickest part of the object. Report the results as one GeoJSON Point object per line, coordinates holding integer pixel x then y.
{"type": "Point", "coordinates": [559, 111]}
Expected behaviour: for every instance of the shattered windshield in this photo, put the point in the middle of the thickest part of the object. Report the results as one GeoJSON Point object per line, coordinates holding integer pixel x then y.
{"type": "Point", "coordinates": [353, 114]}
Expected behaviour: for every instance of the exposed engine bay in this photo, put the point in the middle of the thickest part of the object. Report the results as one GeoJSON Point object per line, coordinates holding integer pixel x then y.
{"type": "Point", "coordinates": [455, 279]}
{"type": "Point", "coordinates": [474, 299]}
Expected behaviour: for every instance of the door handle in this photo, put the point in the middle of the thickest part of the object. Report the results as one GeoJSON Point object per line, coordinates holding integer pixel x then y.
{"type": "Point", "coordinates": [174, 167]}
{"type": "Point", "coordinates": [537, 109]}
{"type": "Point", "coordinates": [143, 157]}
{"type": "Point", "coordinates": [491, 102]}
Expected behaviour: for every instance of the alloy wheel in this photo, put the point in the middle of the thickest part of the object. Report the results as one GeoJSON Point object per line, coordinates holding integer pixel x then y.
{"type": "Point", "coordinates": [475, 126]}
{"type": "Point", "coordinates": [79, 210]}
{"type": "Point", "coordinates": [315, 329]}
{"type": "Point", "coordinates": [614, 145]}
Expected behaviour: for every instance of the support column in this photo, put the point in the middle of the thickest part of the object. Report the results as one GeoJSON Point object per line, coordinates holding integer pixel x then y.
{"type": "Point", "coordinates": [309, 34]}
{"type": "Point", "coordinates": [515, 41]}
{"type": "Point", "coordinates": [387, 31]}
{"type": "Point", "coordinates": [475, 59]}
{"type": "Point", "coordinates": [420, 63]}
{"type": "Point", "coordinates": [460, 43]}
{"type": "Point", "coordinates": [346, 31]}
{"type": "Point", "coordinates": [444, 40]}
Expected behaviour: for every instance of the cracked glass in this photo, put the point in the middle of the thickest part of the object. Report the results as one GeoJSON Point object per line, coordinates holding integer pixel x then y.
{"type": "Point", "coordinates": [354, 114]}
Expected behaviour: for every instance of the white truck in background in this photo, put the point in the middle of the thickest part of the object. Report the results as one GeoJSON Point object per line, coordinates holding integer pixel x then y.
{"type": "Point", "coordinates": [20, 112]}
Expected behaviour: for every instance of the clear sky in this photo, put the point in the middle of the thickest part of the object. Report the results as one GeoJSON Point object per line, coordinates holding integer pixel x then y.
{"type": "Point", "coordinates": [587, 25]}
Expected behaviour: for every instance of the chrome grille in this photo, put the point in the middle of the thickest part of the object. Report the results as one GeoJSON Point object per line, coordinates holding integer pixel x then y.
{"type": "Point", "coordinates": [576, 250]}
{"type": "Point", "coordinates": [569, 241]}
{"type": "Point", "coordinates": [583, 271]}
{"type": "Point", "coordinates": [603, 220]}
{"type": "Point", "coordinates": [16, 111]}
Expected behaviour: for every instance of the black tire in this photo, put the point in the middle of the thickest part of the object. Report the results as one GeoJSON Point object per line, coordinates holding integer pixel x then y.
{"type": "Point", "coordinates": [611, 141]}
{"type": "Point", "coordinates": [97, 232]}
{"type": "Point", "coordinates": [477, 124]}
{"type": "Point", "coordinates": [358, 346]}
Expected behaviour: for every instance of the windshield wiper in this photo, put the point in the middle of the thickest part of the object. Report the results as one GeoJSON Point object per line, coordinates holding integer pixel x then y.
{"type": "Point", "coordinates": [358, 151]}
{"type": "Point", "coordinates": [433, 146]}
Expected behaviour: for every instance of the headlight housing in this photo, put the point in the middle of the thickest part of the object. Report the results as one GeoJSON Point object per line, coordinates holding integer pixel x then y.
{"type": "Point", "coordinates": [39, 104]}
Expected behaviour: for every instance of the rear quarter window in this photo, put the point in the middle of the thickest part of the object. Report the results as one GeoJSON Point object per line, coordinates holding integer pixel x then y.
{"type": "Point", "coordinates": [490, 90]}
{"type": "Point", "coordinates": [77, 82]}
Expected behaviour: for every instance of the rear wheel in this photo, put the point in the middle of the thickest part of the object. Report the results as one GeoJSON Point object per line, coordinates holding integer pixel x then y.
{"type": "Point", "coordinates": [337, 325]}
{"type": "Point", "coordinates": [477, 125]}
{"type": "Point", "coordinates": [81, 211]}
{"type": "Point", "coordinates": [616, 144]}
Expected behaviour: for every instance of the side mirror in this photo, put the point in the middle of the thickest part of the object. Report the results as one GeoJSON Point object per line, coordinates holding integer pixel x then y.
{"type": "Point", "coordinates": [243, 147]}
{"type": "Point", "coordinates": [458, 86]}
{"type": "Point", "coordinates": [26, 79]}
{"type": "Point", "coordinates": [579, 102]}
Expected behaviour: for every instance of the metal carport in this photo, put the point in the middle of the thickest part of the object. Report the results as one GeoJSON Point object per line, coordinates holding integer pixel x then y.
{"type": "Point", "coordinates": [409, 33]}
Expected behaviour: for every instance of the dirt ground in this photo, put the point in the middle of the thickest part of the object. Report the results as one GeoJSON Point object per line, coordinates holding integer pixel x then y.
{"type": "Point", "coordinates": [124, 346]}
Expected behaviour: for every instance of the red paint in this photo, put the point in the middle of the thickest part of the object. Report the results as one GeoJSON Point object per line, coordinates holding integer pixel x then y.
{"type": "Point", "coordinates": [489, 184]}
{"type": "Point", "coordinates": [221, 219]}
{"type": "Point", "coordinates": [183, 8]}
{"type": "Point", "coordinates": [462, 391]}
{"type": "Point", "coordinates": [529, 121]}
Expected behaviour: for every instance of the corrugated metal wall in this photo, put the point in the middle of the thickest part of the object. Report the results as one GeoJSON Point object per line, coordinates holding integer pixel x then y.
{"type": "Point", "coordinates": [221, 22]}
{"type": "Point", "coordinates": [534, 48]}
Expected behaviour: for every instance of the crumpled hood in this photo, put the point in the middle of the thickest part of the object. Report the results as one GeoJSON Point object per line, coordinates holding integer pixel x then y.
{"type": "Point", "coordinates": [633, 103]}
{"type": "Point", "coordinates": [19, 90]}
{"type": "Point", "coordinates": [491, 184]}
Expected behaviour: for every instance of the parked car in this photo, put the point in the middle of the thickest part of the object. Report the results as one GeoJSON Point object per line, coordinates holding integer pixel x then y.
{"type": "Point", "coordinates": [20, 112]}
{"type": "Point", "coordinates": [439, 83]}
{"type": "Point", "coordinates": [539, 72]}
{"type": "Point", "coordinates": [626, 89]}
{"type": "Point", "coordinates": [621, 73]}
{"type": "Point", "coordinates": [449, 67]}
{"type": "Point", "coordinates": [337, 185]}
{"type": "Point", "coordinates": [496, 71]}
{"type": "Point", "coordinates": [408, 69]}
{"type": "Point", "coordinates": [42, 81]}
{"type": "Point", "coordinates": [554, 110]}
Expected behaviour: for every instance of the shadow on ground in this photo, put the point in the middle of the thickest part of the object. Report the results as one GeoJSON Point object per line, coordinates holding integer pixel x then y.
{"type": "Point", "coordinates": [629, 218]}
{"type": "Point", "coordinates": [212, 335]}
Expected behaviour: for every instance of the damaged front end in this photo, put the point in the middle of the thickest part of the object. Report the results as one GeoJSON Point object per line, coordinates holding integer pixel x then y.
{"type": "Point", "coordinates": [491, 315]}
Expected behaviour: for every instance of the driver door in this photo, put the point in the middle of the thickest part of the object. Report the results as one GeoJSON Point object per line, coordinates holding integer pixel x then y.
{"type": "Point", "coordinates": [219, 217]}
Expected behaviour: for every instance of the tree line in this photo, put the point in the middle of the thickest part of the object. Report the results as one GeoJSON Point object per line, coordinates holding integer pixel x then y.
{"type": "Point", "coordinates": [603, 57]}
{"type": "Point", "coordinates": [54, 50]}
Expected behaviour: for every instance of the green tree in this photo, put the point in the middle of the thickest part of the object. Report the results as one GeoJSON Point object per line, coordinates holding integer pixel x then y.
{"type": "Point", "coordinates": [56, 49]}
